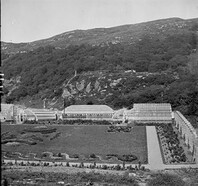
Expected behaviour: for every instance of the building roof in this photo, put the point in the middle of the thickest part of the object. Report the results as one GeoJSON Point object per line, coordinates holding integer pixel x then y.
{"type": "Point", "coordinates": [88, 109]}
{"type": "Point", "coordinates": [41, 111]}
{"type": "Point", "coordinates": [153, 106]}
{"type": "Point", "coordinates": [151, 111]}
{"type": "Point", "coordinates": [29, 113]}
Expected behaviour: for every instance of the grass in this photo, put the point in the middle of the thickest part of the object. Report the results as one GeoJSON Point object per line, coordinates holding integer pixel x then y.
{"type": "Point", "coordinates": [84, 140]}
{"type": "Point", "coordinates": [80, 178]}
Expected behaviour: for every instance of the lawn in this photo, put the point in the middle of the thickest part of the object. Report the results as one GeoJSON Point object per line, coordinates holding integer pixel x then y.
{"type": "Point", "coordinates": [83, 140]}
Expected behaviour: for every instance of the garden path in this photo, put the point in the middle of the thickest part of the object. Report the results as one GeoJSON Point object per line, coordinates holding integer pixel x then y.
{"type": "Point", "coordinates": [155, 161]}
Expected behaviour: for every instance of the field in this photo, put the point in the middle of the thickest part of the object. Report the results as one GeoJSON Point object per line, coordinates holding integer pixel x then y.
{"type": "Point", "coordinates": [81, 140]}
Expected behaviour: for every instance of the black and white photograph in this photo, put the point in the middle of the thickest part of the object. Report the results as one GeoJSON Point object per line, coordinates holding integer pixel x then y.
{"type": "Point", "coordinates": [99, 92]}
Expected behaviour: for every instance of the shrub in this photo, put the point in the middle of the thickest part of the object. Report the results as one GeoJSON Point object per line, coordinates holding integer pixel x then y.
{"type": "Point", "coordinates": [67, 164]}
{"type": "Point", "coordinates": [92, 156]}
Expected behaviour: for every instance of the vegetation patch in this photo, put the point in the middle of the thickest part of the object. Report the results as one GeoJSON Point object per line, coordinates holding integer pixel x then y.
{"type": "Point", "coordinates": [170, 145]}
{"type": "Point", "coordinates": [124, 158]}
{"type": "Point", "coordinates": [82, 178]}
{"type": "Point", "coordinates": [41, 130]}
{"type": "Point", "coordinates": [113, 128]}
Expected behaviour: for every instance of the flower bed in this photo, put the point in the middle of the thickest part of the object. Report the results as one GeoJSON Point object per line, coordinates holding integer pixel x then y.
{"type": "Point", "coordinates": [70, 122]}
{"type": "Point", "coordinates": [41, 130]}
{"type": "Point", "coordinates": [84, 122]}
{"type": "Point", "coordinates": [119, 128]}
{"type": "Point", "coordinates": [172, 151]}
{"type": "Point", "coordinates": [125, 158]}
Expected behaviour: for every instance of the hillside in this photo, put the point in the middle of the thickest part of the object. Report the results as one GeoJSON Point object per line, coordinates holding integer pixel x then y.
{"type": "Point", "coordinates": [126, 34]}
{"type": "Point", "coordinates": [160, 65]}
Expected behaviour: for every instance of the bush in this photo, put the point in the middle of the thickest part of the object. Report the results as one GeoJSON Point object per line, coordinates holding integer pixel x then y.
{"type": "Point", "coordinates": [92, 156]}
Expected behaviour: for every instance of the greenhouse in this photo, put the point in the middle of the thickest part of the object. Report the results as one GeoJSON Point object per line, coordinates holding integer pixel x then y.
{"type": "Point", "coordinates": [151, 113]}
{"type": "Point", "coordinates": [39, 114]}
{"type": "Point", "coordinates": [95, 112]}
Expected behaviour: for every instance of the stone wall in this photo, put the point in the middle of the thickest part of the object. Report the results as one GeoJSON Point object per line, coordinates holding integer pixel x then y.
{"type": "Point", "coordinates": [188, 133]}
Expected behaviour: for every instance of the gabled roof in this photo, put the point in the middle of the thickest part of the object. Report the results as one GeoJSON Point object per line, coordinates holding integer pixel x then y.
{"type": "Point", "coordinates": [88, 109]}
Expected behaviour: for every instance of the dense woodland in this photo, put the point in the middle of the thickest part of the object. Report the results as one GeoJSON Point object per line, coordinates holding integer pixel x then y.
{"type": "Point", "coordinates": [45, 69]}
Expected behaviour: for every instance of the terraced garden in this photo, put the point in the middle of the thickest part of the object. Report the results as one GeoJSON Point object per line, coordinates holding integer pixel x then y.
{"type": "Point", "coordinates": [74, 143]}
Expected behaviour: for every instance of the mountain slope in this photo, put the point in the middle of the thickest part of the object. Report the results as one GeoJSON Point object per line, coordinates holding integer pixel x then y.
{"type": "Point", "coordinates": [126, 34]}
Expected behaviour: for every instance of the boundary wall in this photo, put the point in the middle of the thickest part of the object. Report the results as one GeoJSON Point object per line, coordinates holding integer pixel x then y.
{"type": "Point", "coordinates": [188, 133]}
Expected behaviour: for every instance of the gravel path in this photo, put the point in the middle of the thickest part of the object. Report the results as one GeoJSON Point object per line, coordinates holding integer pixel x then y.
{"type": "Point", "coordinates": [154, 153]}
